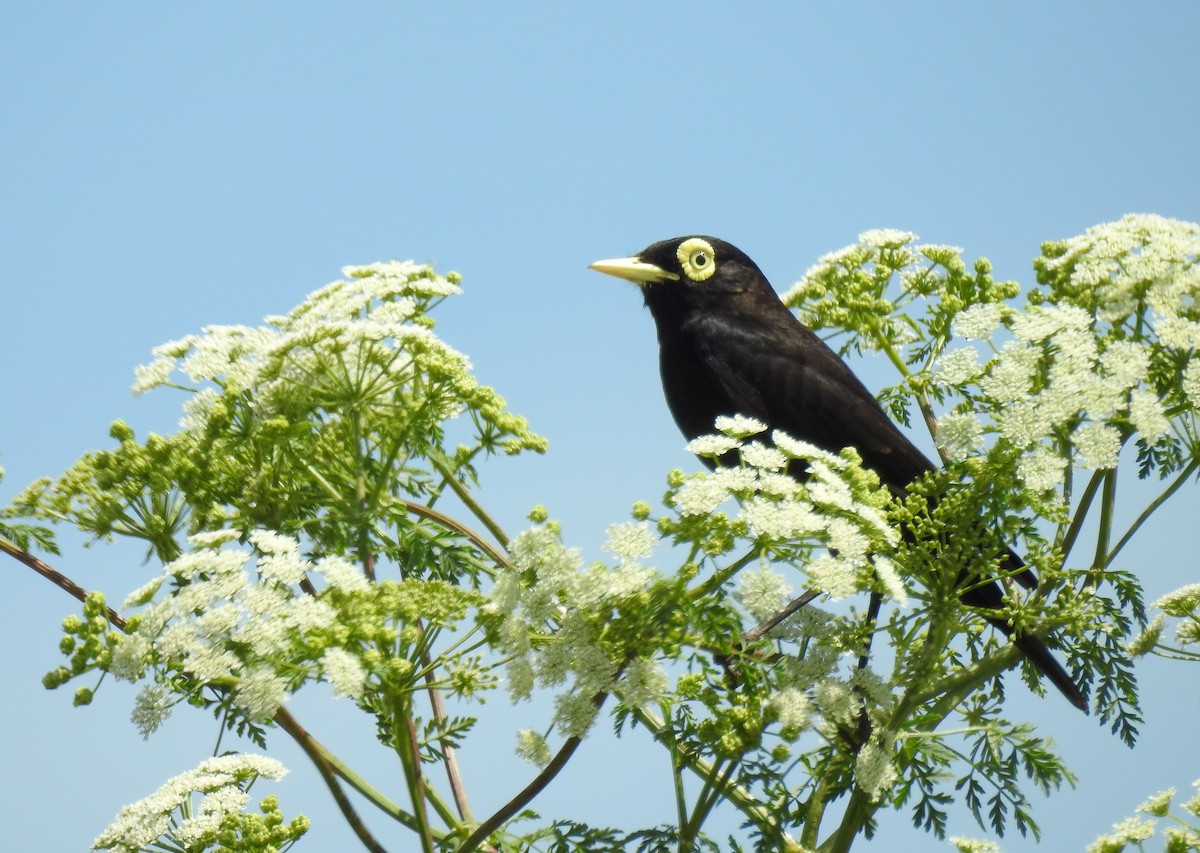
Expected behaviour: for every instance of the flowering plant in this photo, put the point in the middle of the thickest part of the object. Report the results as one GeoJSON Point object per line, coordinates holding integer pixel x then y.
{"type": "Point", "coordinates": [300, 518]}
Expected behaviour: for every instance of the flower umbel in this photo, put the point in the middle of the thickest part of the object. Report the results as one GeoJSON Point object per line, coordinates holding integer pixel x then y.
{"type": "Point", "coordinates": [221, 782]}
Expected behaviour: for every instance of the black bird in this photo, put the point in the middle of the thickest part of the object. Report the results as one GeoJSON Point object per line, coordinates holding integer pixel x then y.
{"type": "Point", "coordinates": [728, 345]}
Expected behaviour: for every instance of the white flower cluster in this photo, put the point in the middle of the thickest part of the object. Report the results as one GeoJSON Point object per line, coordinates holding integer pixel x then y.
{"type": "Point", "coordinates": [822, 511]}
{"type": "Point", "coordinates": [376, 305]}
{"type": "Point", "coordinates": [1140, 275]}
{"type": "Point", "coordinates": [533, 747]}
{"type": "Point", "coordinates": [1053, 373]}
{"type": "Point", "coordinates": [1139, 258]}
{"type": "Point", "coordinates": [850, 289]}
{"type": "Point", "coordinates": [549, 592]}
{"type": "Point", "coordinates": [973, 845]}
{"type": "Point", "coordinates": [822, 527]}
{"type": "Point", "coordinates": [1078, 365]}
{"type": "Point", "coordinates": [1182, 833]}
{"type": "Point", "coordinates": [1117, 295]}
{"type": "Point", "coordinates": [1182, 604]}
{"type": "Point", "coordinates": [221, 623]}
{"type": "Point", "coordinates": [223, 784]}
{"type": "Point", "coordinates": [978, 322]}
{"type": "Point", "coordinates": [793, 708]}
{"type": "Point", "coordinates": [762, 591]}
{"type": "Point", "coordinates": [874, 770]}
{"type": "Point", "coordinates": [870, 244]}
{"type": "Point", "coordinates": [886, 238]}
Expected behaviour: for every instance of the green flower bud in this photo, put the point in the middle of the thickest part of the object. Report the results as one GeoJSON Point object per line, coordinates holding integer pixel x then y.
{"type": "Point", "coordinates": [94, 605]}
{"type": "Point", "coordinates": [56, 678]}
{"type": "Point", "coordinates": [121, 431]}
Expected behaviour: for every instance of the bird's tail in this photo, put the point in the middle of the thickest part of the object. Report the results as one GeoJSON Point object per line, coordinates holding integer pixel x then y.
{"type": "Point", "coordinates": [1040, 656]}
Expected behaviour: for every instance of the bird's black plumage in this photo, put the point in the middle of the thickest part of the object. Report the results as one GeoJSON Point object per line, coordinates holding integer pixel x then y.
{"type": "Point", "coordinates": [728, 345]}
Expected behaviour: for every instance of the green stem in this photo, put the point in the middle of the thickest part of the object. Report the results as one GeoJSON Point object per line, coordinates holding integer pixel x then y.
{"type": "Point", "coordinates": [705, 800]}
{"type": "Point", "coordinates": [526, 795]}
{"type": "Point", "coordinates": [1108, 502]}
{"type": "Point", "coordinates": [500, 558]}
{"type": "Point", "coordinates": [329, 767]}
{"type": "Point", "coordinates": [444, 809]}
{"type": "Point", "coordinates": [887, 349]}
{"type": "Point", "coordinates": [719, 578]}
{"type": "Point", "coordinates": [953, 688]}
{"type": "Point", "coordinates": [364, 531]}
{"type": "Point", "coordinates": [739, 797]}
{"type": "Point", "coordinates": [1178, 482]}
{"type": "Point", "coordinates": [681, 814]}
{"type": "Point", "coordinates": [815, 812]}
{"type": "Point", "coordinates": [858, 812]}
{"type": "Point", "coordinates": [921, 397]}
{"type": "Point", "coordinates": [446, 473]}
{"type": "Point", "coordinates": [404, 736]}
{"type": "Point", "coordinates": [469, 501]}
{"type": "Point", "coordinates": [1085, 504]}
{"type": "Point", "coordinates": [936, 639]}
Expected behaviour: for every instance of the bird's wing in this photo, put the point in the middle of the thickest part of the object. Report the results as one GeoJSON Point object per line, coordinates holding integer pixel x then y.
{"type": "Point", "coordinates": [787, 377]}
{"type": "Point", "coordinates": [783, 374]}
{"type": "Point", "coordinates": [790, 379]}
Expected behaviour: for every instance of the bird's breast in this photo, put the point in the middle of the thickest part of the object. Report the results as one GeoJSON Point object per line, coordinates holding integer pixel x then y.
{"type": "Point", "coordinates": [694, 398]}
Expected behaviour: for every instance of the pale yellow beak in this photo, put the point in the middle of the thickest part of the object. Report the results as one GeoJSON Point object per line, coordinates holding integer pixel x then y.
{"type": "Point", "coordinates": [633, 269]}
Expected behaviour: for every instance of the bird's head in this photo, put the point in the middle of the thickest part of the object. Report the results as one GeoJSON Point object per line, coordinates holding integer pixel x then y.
{"type": "Point", "coordinates": [687, 273]}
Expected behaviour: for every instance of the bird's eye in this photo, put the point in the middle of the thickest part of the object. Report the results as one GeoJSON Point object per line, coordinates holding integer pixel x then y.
{"type": "Point", "coordinates": [697, 258]}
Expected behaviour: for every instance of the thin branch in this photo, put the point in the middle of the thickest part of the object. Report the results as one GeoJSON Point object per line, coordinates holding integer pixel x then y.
{"type": "Point", "coordinates": [749, 638]}
{"type": "Point", "coordinates": [864, 660]}
{"type": "Point", "coordinates": [416, 781]}
{"type": "Point", "coordinates": [57, 578]}
{"type": "Point", "coordinates": [1108, 503]}
{"type": "Point", "coordinates": [740, 797]}
{"type": "Point", "coordinates": [522, 799]}
{"type": "Point", "coordinates": [468, 499]}
{"type": "Point", "coordinates": [1152, 507]}
{"type": "Point", "coordinates": [718, 578]}
{"type": "Point", "coordinates": [873, 608]}
{"type": "Point", "coordinates": [457, 526]}
{"type": "Point", "coordinates": [376, 798]}
{"type": "Point", "coordinates": [1081, 511]}
{"type": "Point", "coordinates": [757, 632]}
{"type": "Point", "coordinates": [450, 756]}
{"type": "Point", "coordinates": [316, 754]}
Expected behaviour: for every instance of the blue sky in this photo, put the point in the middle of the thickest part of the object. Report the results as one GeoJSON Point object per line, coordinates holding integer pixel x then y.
{"type": "Point", "coordinates": [166, 166]}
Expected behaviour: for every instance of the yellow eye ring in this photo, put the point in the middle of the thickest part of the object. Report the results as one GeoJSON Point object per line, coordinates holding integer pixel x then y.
{"type": "Point", "coordinates": [697, 258]}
